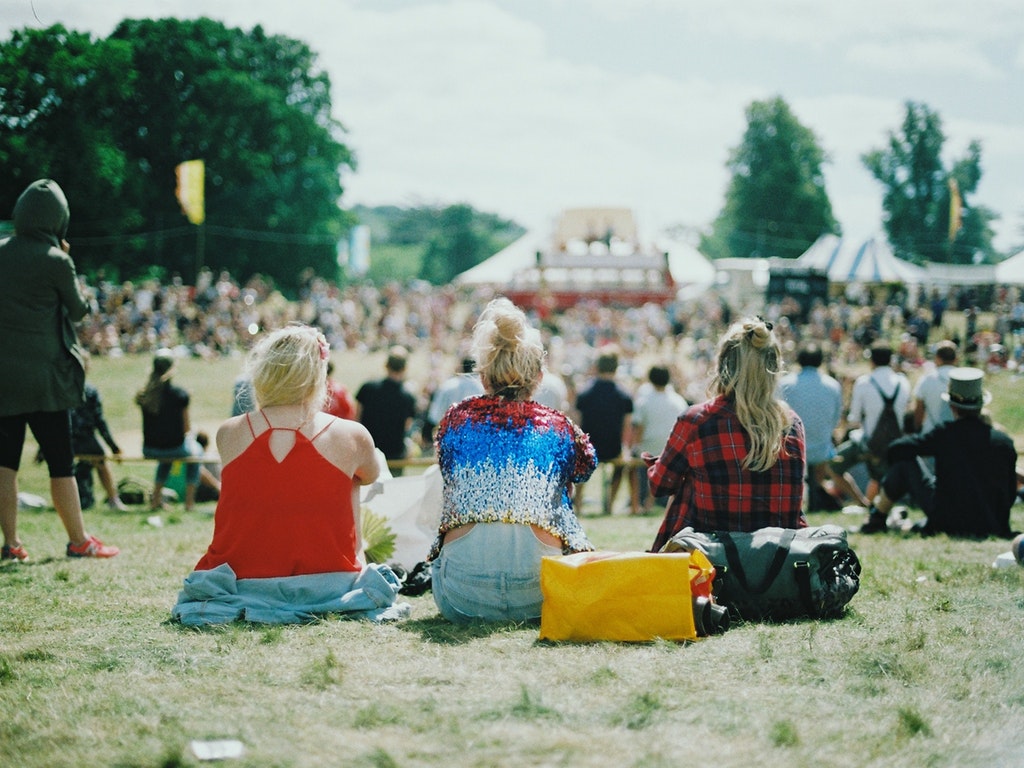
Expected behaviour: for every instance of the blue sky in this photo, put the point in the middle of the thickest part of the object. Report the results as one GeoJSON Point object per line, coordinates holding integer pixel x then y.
{"type": "Point", "coordinates": [523, 108]}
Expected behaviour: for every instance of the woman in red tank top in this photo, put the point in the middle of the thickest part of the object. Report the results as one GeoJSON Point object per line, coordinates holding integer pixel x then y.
{"type": "Point", "coordinates": [289, 503]}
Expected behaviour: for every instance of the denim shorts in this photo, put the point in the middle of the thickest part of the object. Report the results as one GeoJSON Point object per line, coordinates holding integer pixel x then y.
{"type": "Point", "coordinates": [187, 449]}
{"type": "Point", "coordinates": [491, 573]}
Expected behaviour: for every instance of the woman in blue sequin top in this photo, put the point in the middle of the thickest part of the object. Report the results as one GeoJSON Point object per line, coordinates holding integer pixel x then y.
{"type": "Point", "coordinates": [509, 466]}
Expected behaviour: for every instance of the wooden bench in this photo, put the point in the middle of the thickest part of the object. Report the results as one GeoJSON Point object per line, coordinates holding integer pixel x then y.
{"type": "Point", "coordinates": [120, 458]}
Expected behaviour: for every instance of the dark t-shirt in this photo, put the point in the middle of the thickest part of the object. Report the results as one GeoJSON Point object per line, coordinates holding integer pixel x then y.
{"type": "Point", "coordinates": [386, 407]}
{"type": "Point", "coordinates": [603, 408]}
{"type": "Point", "coordinates": [166, 427]}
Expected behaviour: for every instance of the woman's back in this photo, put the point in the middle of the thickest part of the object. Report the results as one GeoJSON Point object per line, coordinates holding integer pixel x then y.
{"type": "Point", "coordinates": [724, 494]}
{"type": "Point", "coordinates": [165, 427]}
{"type": "Point", "coordinates": [512, 461]}
{"type": "Point", "coordinates": [285, 508]}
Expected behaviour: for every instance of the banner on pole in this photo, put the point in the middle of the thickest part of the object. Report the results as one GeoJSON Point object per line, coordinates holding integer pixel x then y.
{"type": "Point", "coordinates": [359, 249]}
{"type": "Point", "coordinates": [191, 178]}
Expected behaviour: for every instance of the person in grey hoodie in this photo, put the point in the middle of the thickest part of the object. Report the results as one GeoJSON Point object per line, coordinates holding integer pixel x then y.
{"type": "Point", "coordinates": [43, 375]}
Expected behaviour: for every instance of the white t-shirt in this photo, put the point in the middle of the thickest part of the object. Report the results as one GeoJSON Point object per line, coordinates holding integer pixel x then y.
{"type": "Point", "coordinates": [452, 391]}
{"type": "Point", "coordinates": [552, 392]}
{"type": "Point", "coordinates": [929, 390]}
{"type": "Point", "coordinates": [656, 412]}
{"type": "Point", "coordinates": [866, 402]}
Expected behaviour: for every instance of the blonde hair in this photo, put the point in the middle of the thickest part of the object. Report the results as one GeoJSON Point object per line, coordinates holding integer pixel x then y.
{"type": "Point", "coordinates": [508, 351]}
{"type": "Point", "coordinates": [749, 360]}
{"type": "Point", "coordinates": [289, 367]}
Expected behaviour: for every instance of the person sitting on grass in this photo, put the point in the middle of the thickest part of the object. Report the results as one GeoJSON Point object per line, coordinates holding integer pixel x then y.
{"type": "Point", "coordinates": [165, 428]}
{"type": "Point", "coordinates": [508, 466]}
{"type": "Point", "coordinates": [975, 480]}
{"type": "Point", "coordinates": [286, 543]}
{"type": "Point", "coordinates": [734, 462]}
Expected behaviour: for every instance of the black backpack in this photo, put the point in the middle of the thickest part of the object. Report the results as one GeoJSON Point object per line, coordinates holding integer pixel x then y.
{"type": "Point", "coordinates": [888, 427]}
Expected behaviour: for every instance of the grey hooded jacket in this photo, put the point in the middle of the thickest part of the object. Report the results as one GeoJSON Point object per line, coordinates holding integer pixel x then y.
{"type": "Point", "coordinates": [40, 301]}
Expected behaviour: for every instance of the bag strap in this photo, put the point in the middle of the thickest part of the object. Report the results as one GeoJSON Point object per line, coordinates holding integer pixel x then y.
{"type": "Point", "coordinates": [732, 554]}
{"type": "Point", "coordinates": [802, 576]}
{"type": "Point", "coordinates": [886, 400]}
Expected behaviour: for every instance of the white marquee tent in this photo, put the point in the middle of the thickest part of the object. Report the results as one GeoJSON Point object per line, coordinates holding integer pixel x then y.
{"type": "Point", "coordinates": [686, 264]}
{"type": "Point", "coordinates": [1011, 271]}
{"type": "Point", "coordinates": [869, 261]}
{"type": "Point", "coordinates": [500, 268]}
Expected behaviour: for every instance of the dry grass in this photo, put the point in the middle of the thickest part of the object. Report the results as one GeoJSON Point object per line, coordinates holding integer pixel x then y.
{"type": "Point", "coordinates": [925, 670]}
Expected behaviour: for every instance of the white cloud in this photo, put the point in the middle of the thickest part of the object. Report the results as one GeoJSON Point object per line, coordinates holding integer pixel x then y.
{"type": "Point", "coordinates": [935, 58]}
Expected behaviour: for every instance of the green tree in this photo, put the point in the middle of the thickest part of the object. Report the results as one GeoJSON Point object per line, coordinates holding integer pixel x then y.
{"type": "Point", "coordinates": [257, 109]}
{"type": "Point", "coordinates": [433, 243]}
{"type": "Point", "coordinates": [917, 193]}
{"type": "Point", "coordinates": [60, 98]}
{"type": "Point", "coordinates": [776, 203]}
{"type": "Point", "coordinates": [454, 247]}
{"type": "Point", "coordinates": [115, 118]}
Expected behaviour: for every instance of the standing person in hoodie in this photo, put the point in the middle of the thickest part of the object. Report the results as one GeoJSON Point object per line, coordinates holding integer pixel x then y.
{"type": "Point", "coordinates": [44, 378]}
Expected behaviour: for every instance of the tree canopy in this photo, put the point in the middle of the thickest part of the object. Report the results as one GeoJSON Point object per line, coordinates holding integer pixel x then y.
{"type": "Point", "coordinates": [776, 203]}
{"type": "Point", "coordinates": [111, 119]}
{"type": "Point", "coordinates": [430, 242]}
{"type": "Point", "coordinates": [919, 189]}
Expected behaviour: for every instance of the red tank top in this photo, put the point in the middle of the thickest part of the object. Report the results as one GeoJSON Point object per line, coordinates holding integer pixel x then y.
{"type": "Point", "coordinates": [283, 518]}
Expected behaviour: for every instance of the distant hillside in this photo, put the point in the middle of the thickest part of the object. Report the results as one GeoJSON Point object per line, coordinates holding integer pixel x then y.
{"type": "Point", "coordinates": [431, 243]}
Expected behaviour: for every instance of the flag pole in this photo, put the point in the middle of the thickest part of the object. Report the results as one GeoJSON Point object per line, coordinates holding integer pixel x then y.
{"type": "Point", "coordinates": [200, 248]}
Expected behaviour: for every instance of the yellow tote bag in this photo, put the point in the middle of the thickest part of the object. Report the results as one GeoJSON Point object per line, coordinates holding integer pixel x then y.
{"type": "Point", "coordinates": [625, 596]}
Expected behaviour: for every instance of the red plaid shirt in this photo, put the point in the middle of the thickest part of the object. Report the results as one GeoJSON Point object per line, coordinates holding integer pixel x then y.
{"type": "Point", "coordinates": [702, 467]}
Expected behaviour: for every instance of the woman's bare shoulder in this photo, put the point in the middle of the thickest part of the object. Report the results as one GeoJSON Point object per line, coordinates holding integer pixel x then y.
{"type": "Point", "coordinates": [347, 444]}
{"type": "Point", "coordinates": [233, 436]}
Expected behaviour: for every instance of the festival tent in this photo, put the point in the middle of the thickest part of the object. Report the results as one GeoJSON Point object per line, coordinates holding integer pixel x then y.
{"type": "Point", "coordinates": [687, 265]}
{"type": "Point", "coordinates": [954, 275]}
{"type": "Point", "coordinates": [822, 254]}
{"type": "Point", "coordinates": [871, 261]}
{"type": "Point", "coordinates": [1011, 271]}
{"type": "Point", "coordinates": [500, 268]}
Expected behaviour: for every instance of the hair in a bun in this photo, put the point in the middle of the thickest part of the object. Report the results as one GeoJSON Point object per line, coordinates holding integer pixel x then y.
{"type": "Point", "coordinates": [758, 332]}
{"type": "Point", "coordinates": [508, 351]}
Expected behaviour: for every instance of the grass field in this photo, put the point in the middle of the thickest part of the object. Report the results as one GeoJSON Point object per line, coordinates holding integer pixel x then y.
{"type": "Point", "coordinates": [927, 668]}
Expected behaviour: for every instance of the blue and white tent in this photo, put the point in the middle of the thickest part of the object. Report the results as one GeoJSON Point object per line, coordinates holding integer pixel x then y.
{"type": "Point", "coordinates": [870, 261]}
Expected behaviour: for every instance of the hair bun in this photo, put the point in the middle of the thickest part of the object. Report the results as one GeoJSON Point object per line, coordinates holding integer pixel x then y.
{"type": "Point", "coordinates": [508, 330]}
{"type": "Point", "coordinates": [759, 333]}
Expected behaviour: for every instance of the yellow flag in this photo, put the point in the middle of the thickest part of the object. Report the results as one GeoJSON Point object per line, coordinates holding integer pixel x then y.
{"type": "Point", "coordinates": [956, 205]}
{"type": "Point", "coordinates": [191, 176]}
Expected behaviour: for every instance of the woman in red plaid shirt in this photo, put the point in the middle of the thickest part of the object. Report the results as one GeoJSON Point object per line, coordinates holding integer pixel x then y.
{"type": "Point", "coordinates": [736, 461]}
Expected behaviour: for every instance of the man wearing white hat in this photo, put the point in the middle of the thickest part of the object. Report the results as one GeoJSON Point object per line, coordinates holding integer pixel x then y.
{"type": "Point", "coordinates": [975, 479]}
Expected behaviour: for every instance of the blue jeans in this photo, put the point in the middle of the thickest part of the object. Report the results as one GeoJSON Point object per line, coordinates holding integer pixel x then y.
{"type": "Point", "coordinates": [163, 470]}
{"type": "Point", "coordinates": [491, 573]}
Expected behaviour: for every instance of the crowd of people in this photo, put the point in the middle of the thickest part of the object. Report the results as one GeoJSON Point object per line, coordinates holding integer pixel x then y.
{"type": "Point", "coordinates": [533, 407]}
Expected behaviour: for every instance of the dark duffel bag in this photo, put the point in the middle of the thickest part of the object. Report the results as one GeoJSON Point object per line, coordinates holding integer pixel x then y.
{"type": "Point", "coordinates": [778, 573]}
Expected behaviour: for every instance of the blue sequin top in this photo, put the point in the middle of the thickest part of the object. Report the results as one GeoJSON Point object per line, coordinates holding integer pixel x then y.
{"type": "Point", "coordinates": [507, 461]}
